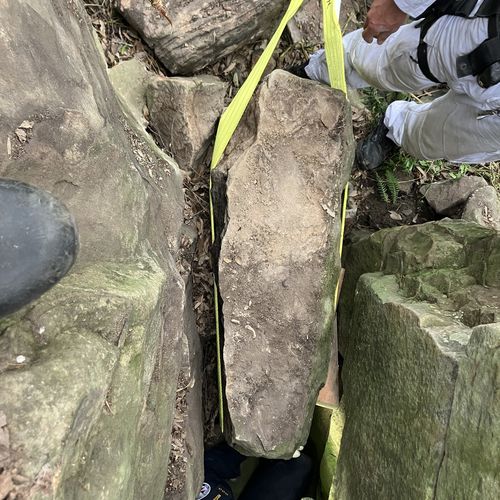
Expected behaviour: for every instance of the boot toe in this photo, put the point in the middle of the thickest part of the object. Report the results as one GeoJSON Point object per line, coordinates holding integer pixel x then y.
{"type": "Point", "coordinates": [38, 243]}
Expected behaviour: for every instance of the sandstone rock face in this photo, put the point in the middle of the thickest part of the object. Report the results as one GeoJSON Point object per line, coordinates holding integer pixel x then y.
{"type": "Point", "coordinates": [183, 111]}
{"type": "Point", "coordinates": [88, 412]}
{"type": "Point", "coordinates": [285, 168]}
{"type": "Point", "coordinates": [189, 35]}
{"type": "Point", "coordinates": [184, 481]}
{"type": "Point", "coordinates": [471, 463]}
{"type": "Point", "coordinates": [130, 80]}
{"type": "Point", "coordinates": [421, 361]}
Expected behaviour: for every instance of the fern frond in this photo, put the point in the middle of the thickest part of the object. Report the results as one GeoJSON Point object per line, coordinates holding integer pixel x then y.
{"type": "Point", "coordinates": [382, 187]}
{"type": "Point", "coordinates": [392, 185]}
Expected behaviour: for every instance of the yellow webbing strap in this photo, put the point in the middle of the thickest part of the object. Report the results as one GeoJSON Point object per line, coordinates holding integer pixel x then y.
{"type": "Point", "coordinates": [334, 49]}
{"type": "Point", "coordinates": [334, 52]}
{"type": "Point", "coordinates": [341, 243]}
{"type": "Point", "coordinates": [232, 115]}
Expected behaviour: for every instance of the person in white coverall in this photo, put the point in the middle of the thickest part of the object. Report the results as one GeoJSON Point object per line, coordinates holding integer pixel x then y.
{"type": "Point", "coordinates": [461, 126]}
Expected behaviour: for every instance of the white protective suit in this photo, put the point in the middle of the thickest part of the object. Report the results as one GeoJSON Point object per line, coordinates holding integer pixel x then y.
{"type": "Point", "coordinates": [459, 126]}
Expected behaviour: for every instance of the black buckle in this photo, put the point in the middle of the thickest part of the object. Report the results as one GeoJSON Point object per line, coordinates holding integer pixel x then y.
{"type": "Point", "coordinates": [490, 76]}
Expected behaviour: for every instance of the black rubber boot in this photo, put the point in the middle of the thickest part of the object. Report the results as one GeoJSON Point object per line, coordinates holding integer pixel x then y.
{"type": "Point", "coordinates": [375, 148]}
{"type": "Point", "coordinates": [299, 70]}
{"type": "Point", "coordinates": [279, 479]}
{"type": "Point", "coordinates": [222, 463]}
{"type": "Point", "coordinates": [38, 243]}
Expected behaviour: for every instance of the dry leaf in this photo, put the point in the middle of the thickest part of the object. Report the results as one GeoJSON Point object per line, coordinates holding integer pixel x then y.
{"type": "Point", "coordinates": [423, 173]}
{"type": "Point", "coordinates": [9, 147]}
{"type": "Point", "coordinates": [394, 215]}
{"type": "Point", "coordinates": [21, 135]}
{"type": "Point", "coordinates": [27, 124]}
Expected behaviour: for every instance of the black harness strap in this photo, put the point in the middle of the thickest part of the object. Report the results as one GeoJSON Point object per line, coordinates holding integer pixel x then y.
{"type": "Point", "coordinates": [441, 7]}
{"type": "Point", "coordinates": [462, 8]}
{"type": "Point", "coordinates": [485, 59]}
{"type": "Point", "coordinates": [484, 56]}
{"type": "Point", "coordinates": [488, 8]}
{"type": "Point", "coordinates": [422, 56]}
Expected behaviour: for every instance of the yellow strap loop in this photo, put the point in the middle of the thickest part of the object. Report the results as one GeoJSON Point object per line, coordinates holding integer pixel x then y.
{"type": "Point", "coordinates": [232, 116]}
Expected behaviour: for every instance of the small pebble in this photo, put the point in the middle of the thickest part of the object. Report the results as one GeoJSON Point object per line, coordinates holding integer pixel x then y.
{"type": "Point", "coordinates": [20, 359]}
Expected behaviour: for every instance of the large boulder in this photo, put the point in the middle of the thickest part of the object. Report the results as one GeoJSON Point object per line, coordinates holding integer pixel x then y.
{"type": "Point", "coordinates": [421, 329]}
{"type": "Point", "coordinates": [89, 372]}
{"type": "Point", "coordinates": [441, 249]}
{"type": "Point", "coordinates": [278, 267]}
{"type": "Point", "coordinates": [188, 36]}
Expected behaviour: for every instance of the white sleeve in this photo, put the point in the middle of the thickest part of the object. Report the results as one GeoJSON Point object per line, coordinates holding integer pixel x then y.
{"type": "Point", "coordinates": [414, 7]}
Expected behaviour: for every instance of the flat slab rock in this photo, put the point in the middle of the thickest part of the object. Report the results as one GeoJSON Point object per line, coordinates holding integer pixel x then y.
{"type": "Point", "coordinates": [278, 266]}
{"type": "Point", "coordinates": [189, 35]}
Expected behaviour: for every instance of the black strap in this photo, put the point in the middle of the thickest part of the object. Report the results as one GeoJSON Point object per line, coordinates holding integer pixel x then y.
{"type": "Point", "coordinates": [423, 62]}
{"type": "Point", "coordinates": [479, 60]}
{"type": "Point", "coordinates": [422, 50]}
{"type": "Point", "coordinates": [488, 8]}
{"type": "Point", "coordinates": [485, 55]}
{"type": "Point", "coordinates": [451, 7]}
{"type": "Point", "coordinates": [494, 26]}
{"type": "Point", "coordinates": [462, 8]}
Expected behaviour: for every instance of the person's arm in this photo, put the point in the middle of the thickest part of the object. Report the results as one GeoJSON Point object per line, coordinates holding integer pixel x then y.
{"type": "Point", "coordinates": [387, 16]}
{"type": "Point", "coordinates": [383, 19]}
{"type": "Point", "coordinates": [414, 7]}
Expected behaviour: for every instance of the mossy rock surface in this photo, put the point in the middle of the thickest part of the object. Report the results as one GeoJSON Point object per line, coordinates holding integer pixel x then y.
{"type": "Point", "coordinates": [88, 373]}
{"type": "Point", "coordinates": [420, 335]}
